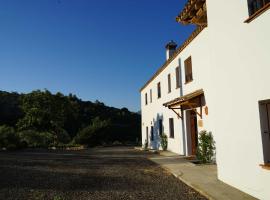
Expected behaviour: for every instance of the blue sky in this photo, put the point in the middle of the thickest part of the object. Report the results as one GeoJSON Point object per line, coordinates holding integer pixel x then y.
{"type": "Point", "coordinates": [96, 49]}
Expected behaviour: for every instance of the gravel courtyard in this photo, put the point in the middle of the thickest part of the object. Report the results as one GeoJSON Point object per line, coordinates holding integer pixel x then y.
{"type": "Point", "coordinates": [101, 173]}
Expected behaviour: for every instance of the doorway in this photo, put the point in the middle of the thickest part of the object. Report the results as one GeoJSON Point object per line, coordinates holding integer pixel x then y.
{"type": "Point", "coordinates": [147, 136]}
{"type": "Point", "coordinates": [192, 129]}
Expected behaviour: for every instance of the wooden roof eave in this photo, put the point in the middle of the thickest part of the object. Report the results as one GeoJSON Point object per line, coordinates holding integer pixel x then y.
{"type": "Point", "coordinates": [193, 13]}
{"type": "Point", "coordinates": [184, 99]}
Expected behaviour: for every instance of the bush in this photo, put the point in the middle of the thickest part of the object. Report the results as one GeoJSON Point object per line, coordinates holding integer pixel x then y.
{"type": "Point", "coordinates": [94, 134]}
{"type": "Point", "coordinates": [164, 141]}
{"type": "Point", "coordinates": [206, 147]}
{"type": "Point", "coordinates": [145, 145]}
{"type": "Point", "coordinates": [35, 139]}
{"type": "Point", "coordinates": [62, 137]}
{"type": "Point", "coordinates": [9, 138]}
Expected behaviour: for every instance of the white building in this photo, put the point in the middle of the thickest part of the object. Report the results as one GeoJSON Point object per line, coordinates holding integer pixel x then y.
{"type": "Point", "coordinates": [217, 81]}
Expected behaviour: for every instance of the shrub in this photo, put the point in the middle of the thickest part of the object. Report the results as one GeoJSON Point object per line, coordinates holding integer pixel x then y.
{"type": "Point", "coordinates": [93, 134]}
{"type": "Point", "coordinates": [164, 141]}
{"type": "Point", "coordinates": [206, 147]}
{"type": "Point", "coordinates": [9, 138]}
{"type": "Point", "coordinates": [35, 139]}
{"type": "Point", "coordinates": [62, 137]}
{"type": "Point", "coordinates": [145, 145]}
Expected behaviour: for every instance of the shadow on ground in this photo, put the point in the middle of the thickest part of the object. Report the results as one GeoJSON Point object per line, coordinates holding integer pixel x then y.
{"type": "Point", "coordinates": [101, 173]}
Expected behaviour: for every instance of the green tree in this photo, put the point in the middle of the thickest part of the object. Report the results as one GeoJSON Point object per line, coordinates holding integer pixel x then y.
{"type": "Point", "coordinates": [8, 137]}
{"type": "Point", "coordinates": [94, 134]}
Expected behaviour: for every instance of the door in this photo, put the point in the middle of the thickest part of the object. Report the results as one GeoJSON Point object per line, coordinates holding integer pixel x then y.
{"type": "Point", "coordinates": [193, 132]}
{"type": "Point", "coordinates": [160, 127]}
{"type": "Point", "coordinates": [147, 136]}
{"type": "Point", "coordinates": [152, 134]}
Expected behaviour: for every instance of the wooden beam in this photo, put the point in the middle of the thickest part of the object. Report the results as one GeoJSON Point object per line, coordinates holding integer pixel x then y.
{"type": "Point", "coordinates": [178, 115]}
{"type": "Point", "coordinates": [198, 5]}
{"type": "Point", "coordinates": [195, 110]}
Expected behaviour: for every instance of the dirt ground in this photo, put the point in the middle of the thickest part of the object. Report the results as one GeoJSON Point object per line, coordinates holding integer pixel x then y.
{"type": "Point", "coordinates": [100, 173]}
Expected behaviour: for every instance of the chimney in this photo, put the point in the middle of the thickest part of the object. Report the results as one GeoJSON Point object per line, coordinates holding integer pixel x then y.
{"type": "Point", "coordinates": [170, 49]}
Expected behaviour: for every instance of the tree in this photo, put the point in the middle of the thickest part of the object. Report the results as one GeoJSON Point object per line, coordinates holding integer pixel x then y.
{"type": "Point", "coordinates": [8, 137]}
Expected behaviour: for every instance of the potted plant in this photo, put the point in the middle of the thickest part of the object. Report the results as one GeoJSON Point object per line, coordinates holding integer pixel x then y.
{"type": "Point", "coordinates": [164, 141]}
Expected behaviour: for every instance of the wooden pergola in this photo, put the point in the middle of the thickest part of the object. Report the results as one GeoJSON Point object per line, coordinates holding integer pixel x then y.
{"type": "Point", "coordinates": [194, 12]}
{"type": "Point", "coordinates": [189, 101]}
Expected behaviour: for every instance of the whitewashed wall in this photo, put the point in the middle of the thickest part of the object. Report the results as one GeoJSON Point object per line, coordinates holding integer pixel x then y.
{"type": "Point", "coordinates": [151, 112]}
{"type": "Point", "coordinates": [240, 64]}
{"type": "Point", "coordinates": [231, 63]}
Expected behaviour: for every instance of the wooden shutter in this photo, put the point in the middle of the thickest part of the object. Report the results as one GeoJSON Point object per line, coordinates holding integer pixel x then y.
{"type": "Point", "coordinates": [160, 127]}
{"type": "Point", "coordinates": [159, 90]}
{"type": "Point", "coordinates": [188, 70]}
{"type": "Point", "coordinates": [177, 76]}
{"type": "Point", "coordinates": [171, 124]}
{"type": "Point", "coordinates": [151, 96]}
{"type": "Point", "coordinates": [152, 133]}
{"type": "Point", "coordinates": [169, 83]}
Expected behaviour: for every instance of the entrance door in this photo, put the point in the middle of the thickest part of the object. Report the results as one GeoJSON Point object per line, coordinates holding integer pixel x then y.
{"type": "Point", "coordinates": [147, 135]}
{"type": "Point", "coordinates": [193, 132]}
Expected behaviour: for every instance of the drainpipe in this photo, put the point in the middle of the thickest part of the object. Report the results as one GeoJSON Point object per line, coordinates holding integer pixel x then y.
{"type": "Point", "coordinates": [182, 112]}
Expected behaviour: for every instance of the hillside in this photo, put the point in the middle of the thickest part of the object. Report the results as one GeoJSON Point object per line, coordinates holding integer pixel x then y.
{"type": "Point", "coordinates": [63, 119]}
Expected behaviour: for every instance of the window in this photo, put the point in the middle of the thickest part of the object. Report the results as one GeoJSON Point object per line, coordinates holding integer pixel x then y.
{"type": "Point", "coordinates": [146, 136]}
{"type": "Point", "coordinates": [146, 99]}
{"type": "Point", "coordinates": [264, 108]}
{"type": "Point", "coordinates": [159, 90]}
{"type": "Point", "coordinates": [151, 96]}
{"type": "Point", "coordinates": [152, 133]}
{"type": "Point", "coordinates": [188, 70]}
{"type": "Point", "coordinates": [256, 5]}
{"type": "Point", "coordinates": [169, 83]}
{"type": "Point", "coordinates": [160, 127]}
{"type": "Point", "coordinates": [171, 125]}
{"type": "Point", "coordinates": [177, 76]}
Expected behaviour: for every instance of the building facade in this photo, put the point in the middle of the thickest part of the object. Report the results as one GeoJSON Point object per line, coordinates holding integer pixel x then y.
{"type": "Point", "coordinates": [217, 81]}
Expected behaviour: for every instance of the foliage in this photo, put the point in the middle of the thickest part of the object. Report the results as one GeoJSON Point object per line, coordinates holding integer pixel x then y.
{"type": "Point", "coordinates": [33, 139]}
{"type": "Point", "coordinates": [145, 145]}
{"type": "Point", "coordinates": [67, 118]}
{"type": "Point", "coordinates": [164, 141]}
{"type": "Point", "coordinates": [93, 134]}
{"type": "Point", "coordinates": [8, 138]}
{"type": "Point", "coordinates": [10, 111]}
{"type": "Point", "coordinates": [43, 111]}
{"type": "Point", "coordinates": [206, 147]}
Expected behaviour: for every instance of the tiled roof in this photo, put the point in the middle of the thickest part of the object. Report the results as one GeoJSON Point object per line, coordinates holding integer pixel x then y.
{"type": "Point", "coordinates": [184, 98]}
{"type": "Point", "coordinates": [176, 53]}
{"type": "Point", "coordinates": [194, 12]}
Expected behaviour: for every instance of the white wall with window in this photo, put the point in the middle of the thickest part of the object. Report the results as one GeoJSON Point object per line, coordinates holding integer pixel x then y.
{"type": "Point", "coordinates": [230, 62]}
{"type": "Point", "coordinates": [241, 67]}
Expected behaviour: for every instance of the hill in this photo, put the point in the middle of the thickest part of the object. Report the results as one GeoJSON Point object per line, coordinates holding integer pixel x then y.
{"type": "Point", "coordinates": [30, 118]}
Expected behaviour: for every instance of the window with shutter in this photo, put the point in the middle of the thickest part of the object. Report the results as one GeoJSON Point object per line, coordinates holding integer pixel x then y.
{"type": "Point", "coordinates": [160, 126]}
{"type": "Point", "coordinates": [188, 70]}
{"type": "Point", "coordinates": [256, 5]}
{"type": "Point", "coordinates": [264, 108]}
{"type": "Point", "coordinates": [152, 134]}
{"type": "Point", "coordinates": [158, 90]}
{"type": "Point", "coordinates": [169, 83]}
{"type": "Point", "coordinates": [151, 96]}
{"type": "Point", "coordinates": [177, 76]}
{"type": "Point", "coordinates": [256, 8]}
{"type": "Point", "coordinates": [146, 136]}
{"type": "Point", "coordinates": [171, 126]}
